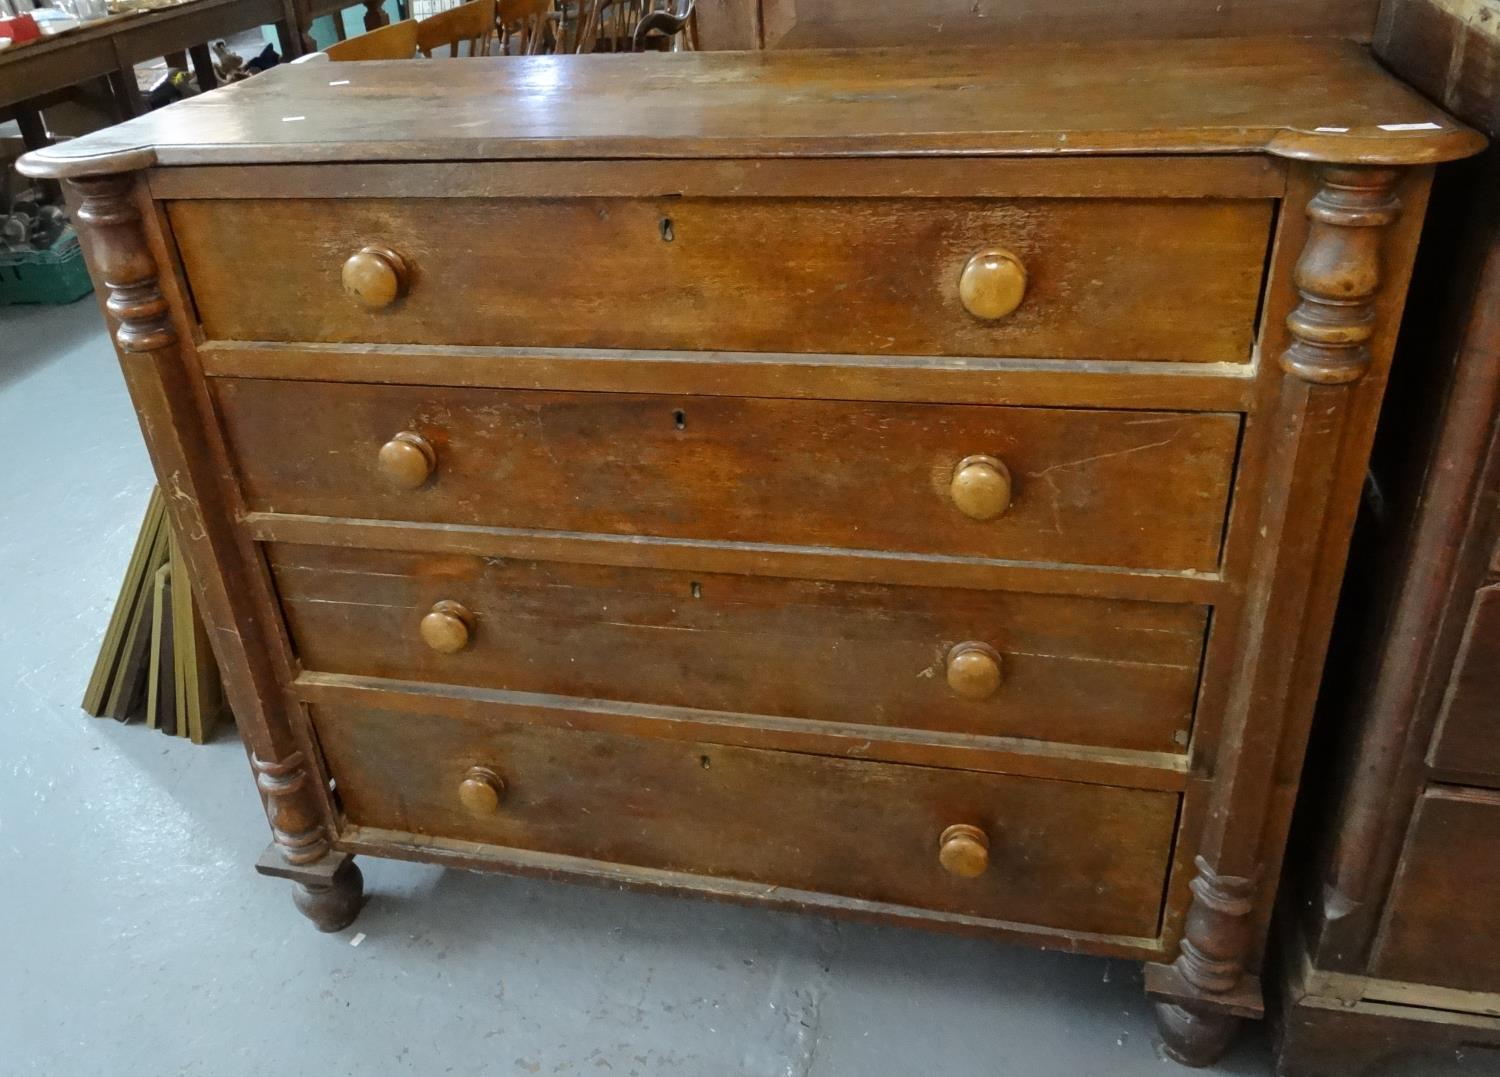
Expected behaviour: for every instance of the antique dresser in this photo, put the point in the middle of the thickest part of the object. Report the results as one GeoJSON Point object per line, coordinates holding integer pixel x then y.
{"type": "Point", "coordinates": [1391, 906]}
{"type": "Point", "coordinates": [898, 484]}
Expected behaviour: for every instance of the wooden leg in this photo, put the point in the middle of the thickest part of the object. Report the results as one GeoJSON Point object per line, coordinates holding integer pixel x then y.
{"type": "Point", "coordinates": [33, 131]}
{"type": "Point", "coordinates": [203, 67]}
{"type": "Point", "coordinates": [330, 891]}
{"type": "Point", "coordinates": [1193, 1036]}
{"type": "Point", "coordinates": [127, 93]}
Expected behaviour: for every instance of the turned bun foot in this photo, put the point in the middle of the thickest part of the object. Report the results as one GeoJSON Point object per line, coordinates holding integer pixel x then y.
{"type": "Point", "coordinates": [330, 890]}
{"type": "Point", "coordinates": [1192, 1036]}
{"type": "Point", "coordinates": [332, 906]}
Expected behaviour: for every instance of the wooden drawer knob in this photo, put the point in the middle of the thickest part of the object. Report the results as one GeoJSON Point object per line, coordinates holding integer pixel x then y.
{"type": "Point", "coordinates": [992, 284]}
{"type": "Point", "coordinates": [481, 791]}
{"type": "Point", "coordinates": [375, 277]}
{"type": "Point", "coordinates": [407, 460]}
{"type": "Point", "coordinates": [981, 487]}
{"type": "Point", "coordinates": [448, 627]}
{"type": "Point", "coordinates": [974, 670]}
{"type": "Point", "coordinates": [964, 850]}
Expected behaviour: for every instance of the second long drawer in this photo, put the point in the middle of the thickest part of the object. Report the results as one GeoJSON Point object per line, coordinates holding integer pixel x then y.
{"type": "Point", "coordinates": [1052, 668]}
{"type": "Point", "coordinates": [1129, 489]}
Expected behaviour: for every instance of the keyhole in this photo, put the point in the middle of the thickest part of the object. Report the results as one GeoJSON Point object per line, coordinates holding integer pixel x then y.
{"type": "Point", "coordinates": [697, 589]}
{"type": "Point", "coordinates": [704, 762]}
{"type": "Point", "coordinates": [679, 419]}
{"type": "Point", "coordinates": [667, 234]}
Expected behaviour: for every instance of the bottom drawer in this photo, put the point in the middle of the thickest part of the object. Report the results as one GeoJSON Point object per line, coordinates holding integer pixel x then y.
{"type": "Point", "coordinates": [1067, 855]}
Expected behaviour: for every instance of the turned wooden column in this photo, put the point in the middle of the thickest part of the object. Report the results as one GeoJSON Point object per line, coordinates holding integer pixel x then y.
{"type": "Point", "coordinates": [1338, 277]}
{"type": "Point", "coordinates": [110, 217]}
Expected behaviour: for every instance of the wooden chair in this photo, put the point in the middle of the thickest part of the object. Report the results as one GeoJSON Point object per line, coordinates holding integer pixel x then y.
{"type": "Point", "coordinates": [398, 41]}
{"type": "Point", "coordinates": [473, 22]}
{"type": "Point", "coordinates": [659, 29]}
{"type": "Point", "coordinates": [527, 26]}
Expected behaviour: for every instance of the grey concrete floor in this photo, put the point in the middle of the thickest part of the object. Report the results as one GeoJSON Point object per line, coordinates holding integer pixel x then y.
{"type": "Point", "coordinates": [136, 940]}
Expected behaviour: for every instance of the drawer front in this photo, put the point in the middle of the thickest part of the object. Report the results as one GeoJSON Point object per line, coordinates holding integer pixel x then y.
{"type": "Point", "coordinates": [1106, 279]}
{"type": "Point", "coordinates": [1468, 740]}
{"type": "Point", "coordinates": [986, 663]}
{"type": "Point", "coordinates": [1130, 489]}
{"type": "Point", "coordinates": [1440, 926]}
{"type": "Point", "coordinates": [1061, 854]}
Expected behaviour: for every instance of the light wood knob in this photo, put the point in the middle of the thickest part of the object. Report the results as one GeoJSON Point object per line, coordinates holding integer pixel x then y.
{"type": "Point", "coordinates": [964, 850]}
{"type": "Point", "coordinates": [407, 460]}
{"type": "Point", "coordinates": [481, 791]}
{"type": "Point", "coordinates": [448, 627]}
{"type": "Point", "coordinates": [992, 284]}
{"type": "Point", "coordinates": [974, 670]}
{"type": "Point", "coordinates": [981, 487]}
{"type": "Point", "coordinates": [375, 277]}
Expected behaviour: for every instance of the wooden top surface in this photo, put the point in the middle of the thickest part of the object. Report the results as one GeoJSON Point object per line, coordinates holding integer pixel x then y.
{"type": "Point", "coordinates": [1311, 99]}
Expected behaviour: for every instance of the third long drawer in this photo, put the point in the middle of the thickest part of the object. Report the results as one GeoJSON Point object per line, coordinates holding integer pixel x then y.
{"type": "Point", "coordinates": [1055, 668]}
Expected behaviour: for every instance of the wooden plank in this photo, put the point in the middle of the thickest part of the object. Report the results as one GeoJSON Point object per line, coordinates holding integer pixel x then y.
{"type": "Point", "coordinates": [1087, 383]}
{"type": "Point", "coordinates": [1073, 177]}
{"type": "Point", "coordinates": [1224, 96]}
{"type": "Point", "coordinates": [996, 755]}
{"type": "Point", "coordinates": [793, 562]}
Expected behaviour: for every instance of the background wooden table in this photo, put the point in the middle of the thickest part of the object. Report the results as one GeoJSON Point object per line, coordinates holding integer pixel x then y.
{"type": "Point", "coordinates": [110, 49]}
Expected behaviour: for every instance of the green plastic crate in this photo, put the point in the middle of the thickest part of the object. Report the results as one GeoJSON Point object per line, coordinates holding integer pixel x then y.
{"type": "Point", "coordinates": [56, 275]}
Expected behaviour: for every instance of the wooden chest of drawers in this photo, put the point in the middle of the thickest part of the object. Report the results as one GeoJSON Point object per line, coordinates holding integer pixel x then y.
{"type": "Point", "coordinates": [903, 485]}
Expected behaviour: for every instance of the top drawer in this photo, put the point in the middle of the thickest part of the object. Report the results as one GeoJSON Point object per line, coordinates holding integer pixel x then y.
{"type": "Point", "coordinates": [1096, 278]}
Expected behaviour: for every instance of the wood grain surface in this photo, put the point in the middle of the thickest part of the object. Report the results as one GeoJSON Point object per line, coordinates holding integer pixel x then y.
{"type": "Point", "coordinates": [1080, 671]}
{"type": "Point", "coordinates": [1110, 280]}
{"type": "Point", "coordinates": [1082, 857]}
{"type": "Point", "coordinates": [1131, 489]}
{"type": "Point", "coordinates": [1306, 99]}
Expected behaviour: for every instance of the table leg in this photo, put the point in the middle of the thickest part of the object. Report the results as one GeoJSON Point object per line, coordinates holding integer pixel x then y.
{"type": "Point", "coordinates": [127, 92]}
{"type": "Point", "coordinates": [203, 67]}
{"type": "Point", "coordinates": [33, 131]}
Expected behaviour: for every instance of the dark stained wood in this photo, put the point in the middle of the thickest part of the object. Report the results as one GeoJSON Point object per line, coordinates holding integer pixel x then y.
{"type": "Point", "coordinates": [1440, 925]}
{"type": "Point", "coordinates": [1084, 858]}
{"type": "Point", "coordinates": [1119, 674]}
{"type": "Point", "coordinates": [1131, 489]}
{"type": "Point", "coordinates": [1468, 735]}
{"type": "Point", "coordinates": [1232, 96]}
{"type": "Point", "coordinates": [781, 24]}
{"type": "Point", "coordinates": [1391, 957]}
{"type": "Point", "coordinates": [1147, 280]}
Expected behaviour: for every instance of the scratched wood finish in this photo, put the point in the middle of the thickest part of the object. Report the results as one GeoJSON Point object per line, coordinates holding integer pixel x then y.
{"type": "Point", "coordinates": [1440, 925]}
{"type": "Point", "coordinates": [1231, 96]}
{"type": "Point", "coordinates": [1091, 487]}
{"type": "Point", "coordinates": [1086, 858]}
{"type": "Point", "coordinates": [1112, 280]}
{"type": "Point", "coordinates": [1079, 671]}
